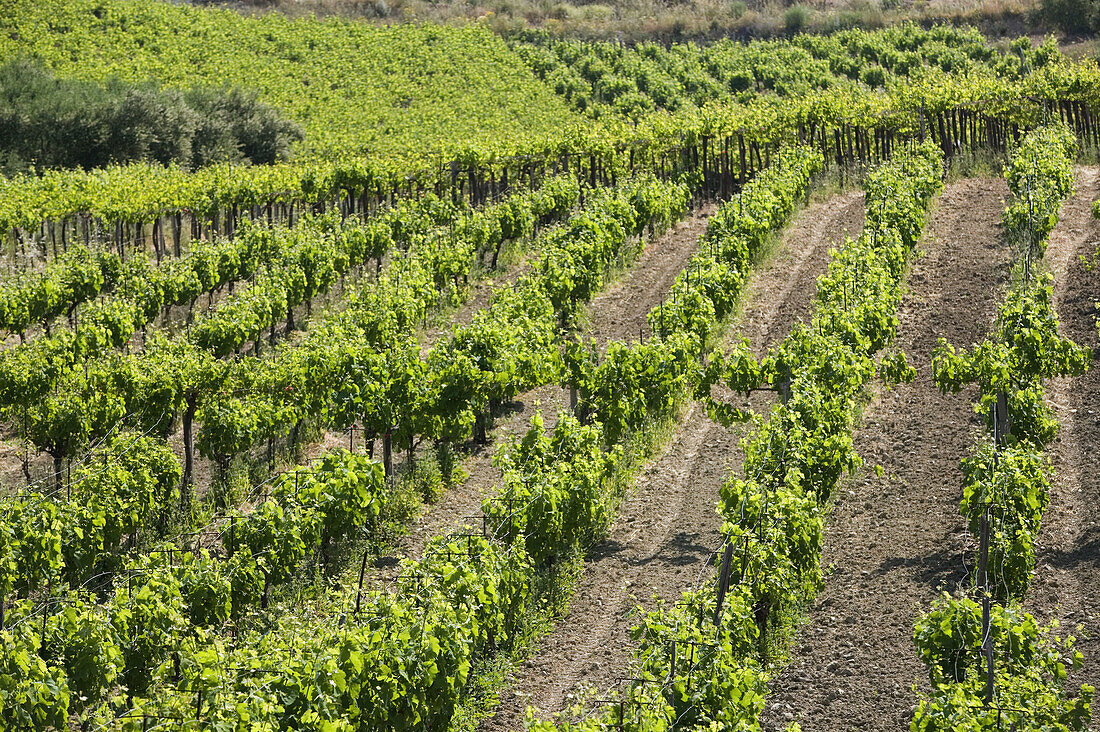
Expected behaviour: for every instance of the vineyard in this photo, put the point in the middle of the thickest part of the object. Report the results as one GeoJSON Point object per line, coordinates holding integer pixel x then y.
{"type": "Point", "coordinates": [553, 384]}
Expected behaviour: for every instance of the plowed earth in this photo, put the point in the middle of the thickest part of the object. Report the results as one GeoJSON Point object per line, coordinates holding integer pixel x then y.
{"type": "Point", "coordinates": [667, 530]}
{"type": "Point", "coordinates": [894, 543]}
{"type": "Point", "coordinates": [1066, 584]}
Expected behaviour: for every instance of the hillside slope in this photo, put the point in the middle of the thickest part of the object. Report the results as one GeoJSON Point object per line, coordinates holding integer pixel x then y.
{"type": "Point", "coordinates": [353, 86]}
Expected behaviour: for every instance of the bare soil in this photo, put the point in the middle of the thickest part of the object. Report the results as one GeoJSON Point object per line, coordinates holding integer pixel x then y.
{"type": "Point", "coordinates": [894, 543]}
{"type": "Point", "coordinates": [1066, 584]}
{"type": "Point", "coordinates": [619, 313]}
{"type": "Point", "coordinates": [667, 531]}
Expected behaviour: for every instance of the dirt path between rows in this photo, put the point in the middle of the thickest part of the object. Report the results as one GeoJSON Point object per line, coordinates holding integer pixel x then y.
{"type": "Point", "coordinates": [619, 313]}
{"type": "Point", "coordinates": [1066, 585]}
{"type": "Point", "coordinates": [663, 539]}
{"type": "Point", "coordinates": [614, 314]}
{"type": "Point", "coordinates": [893, 543]}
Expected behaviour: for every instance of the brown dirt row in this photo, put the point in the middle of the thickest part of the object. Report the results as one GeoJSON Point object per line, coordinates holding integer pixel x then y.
{"type": "Point", "coordinates": [1066, 584]}
{"type": "Point", "coordinates": [619, 313]}
{"type": "Point", "coordinates": [614, 314]}
{"type": "Point", "coordinates": [894, 543]}
{"type": "Point", "coordinates": [663, 539]}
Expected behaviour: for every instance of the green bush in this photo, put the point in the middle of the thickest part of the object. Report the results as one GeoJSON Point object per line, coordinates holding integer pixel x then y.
{"type": "Point", "coordinates": [873, 76]}
{"type": "Point", "coordinates": [50, 122]}
{"type": "Point", "coordinates": [1031, 665]}
{"type": "Point", "coordinates": [796, 18]}
{"type": "Point", "coordinates": [1072, 16]}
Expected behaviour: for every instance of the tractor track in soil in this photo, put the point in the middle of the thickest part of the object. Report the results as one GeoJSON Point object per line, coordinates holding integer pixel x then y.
{"type": "Point", "coordinates": [1066, 582]}
{"type": "Point", "coordinates": [893, 543]}
{"type": "Point", "coordinates": [663, 539]}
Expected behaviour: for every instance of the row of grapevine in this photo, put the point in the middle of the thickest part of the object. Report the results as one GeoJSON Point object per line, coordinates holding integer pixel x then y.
{"type": "Point", "coordinates": [142, 291]}
{"type": "Point", "coordinates": [367, 369]}
{"type": "Point", "coordinates": [606, 78]}
{"type": "Point", "coordinates": [401, 662]}
{"type": "Point", "coordinates": [64, 285]}
{"type": "Point", "coordinates": [699, 662]}
{"type": "Point", "coordinates": [109, 617]}
{"type": "Point", "coordinates": [541, 454]}
{"type": "Point", "coordinates": [54, 540]}
{"type": "Point", "coordinates": [631, 387]}
{"type": "Point", "coordinates": [80, 275]}
{"type": "Point", "coordinates": [267, 544]}
{"type": "Point", "coordinates": [71, 365]}
{"type": "Point", "coordinates": [555, 199]}
{"type": "Point", "coordinates": [657, 372]}
{"type": "Point", "coordinates": [134, 294]}
{"type": "Point", "coordinates": [721, 144]}
{"type": "Point", "coordinates": [989, 662]}
{"type": "Point", "coordinates": [119, 204]}
{"type": "Point", "coordinates": [61, 408]}
{"type": "Point", "coordinates": [307, 262]}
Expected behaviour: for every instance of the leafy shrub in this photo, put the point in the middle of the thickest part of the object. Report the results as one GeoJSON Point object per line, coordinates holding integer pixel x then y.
{"type": "Point", "coordinates": [48, 122]}
{"type": "Point", "coordinates": [796, 18]}
{"type": "Point", "coordinates": [1072, 16]}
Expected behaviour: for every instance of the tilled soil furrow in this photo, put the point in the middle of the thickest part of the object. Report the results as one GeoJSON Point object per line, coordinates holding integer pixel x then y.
{"type": "Point", "coordinates": [1066, 584]}
{"type": "Point", "coordinates": [667, 530]}
{"type": "Point", "coordinates": [616, 313]}
{"type": "Point", "coordinates": [893, 543]}
{"type": "Point", "coordinates": [619, 313]}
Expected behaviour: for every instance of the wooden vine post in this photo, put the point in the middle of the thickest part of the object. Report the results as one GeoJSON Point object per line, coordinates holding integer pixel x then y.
{"type": "Point", "coordinates": [723, 581]}
{"type": "Point", "coordinates": [1000, 424]}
